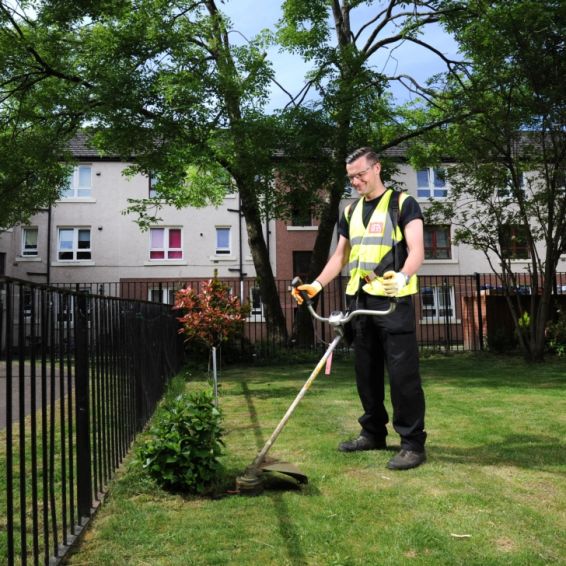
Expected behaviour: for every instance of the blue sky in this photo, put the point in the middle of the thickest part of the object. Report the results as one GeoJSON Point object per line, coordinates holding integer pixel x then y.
{"type": "Point", "coordinates": [251, 16]}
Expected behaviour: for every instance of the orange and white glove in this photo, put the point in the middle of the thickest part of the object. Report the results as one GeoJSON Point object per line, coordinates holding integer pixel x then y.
{"type": "Point", "coordinates": [393, 282]}
{"type": "Point", "coordinates": [311, 289]}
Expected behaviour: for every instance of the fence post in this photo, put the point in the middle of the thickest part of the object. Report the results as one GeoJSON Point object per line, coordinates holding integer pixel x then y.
{"type": "Point", "coordinates": [480, 316]}
{"type": "Point", "coordinates": [82, 416]}
{"type": "Point", "coordinates": [137, 337]}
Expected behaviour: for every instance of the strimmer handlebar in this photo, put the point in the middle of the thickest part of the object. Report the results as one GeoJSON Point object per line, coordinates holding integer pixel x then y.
{"type": "Point", "coordinates": [339, 318]}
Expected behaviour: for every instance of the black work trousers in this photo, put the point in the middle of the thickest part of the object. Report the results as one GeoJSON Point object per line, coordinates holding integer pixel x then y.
{"type": "Point", "coordinates": [389, 341]}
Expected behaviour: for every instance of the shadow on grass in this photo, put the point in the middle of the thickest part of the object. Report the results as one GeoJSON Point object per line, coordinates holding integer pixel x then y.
{"type": "Point", "coordinates": [526, 451]}
{"type": "Point", "coordinates": [275, 486]}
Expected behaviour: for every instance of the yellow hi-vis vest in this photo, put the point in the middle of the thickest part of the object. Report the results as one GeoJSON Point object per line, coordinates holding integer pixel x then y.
{"type": "Point", "coordinates": [370, 244]}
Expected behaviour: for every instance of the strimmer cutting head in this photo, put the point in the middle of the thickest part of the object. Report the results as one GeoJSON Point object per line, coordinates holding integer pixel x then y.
{"type": "Point", "coordinates": [252, 480]}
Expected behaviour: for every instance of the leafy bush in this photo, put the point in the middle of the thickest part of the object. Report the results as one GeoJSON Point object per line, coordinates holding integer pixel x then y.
{"type": "Point", "coordinates": [212, 315]}
{"type": "Point", "coordinates": [556, 335]}
{"type": "Point", "coordinates": [183, 451]}
{"type": "Point", "coordinates": [501, 341]}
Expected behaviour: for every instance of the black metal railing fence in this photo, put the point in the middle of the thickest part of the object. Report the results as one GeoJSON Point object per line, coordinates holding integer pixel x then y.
{"type": "Point", "coordinates": [82, 368]}
{"type": "Point", "coordinates": [80, 375]}
{"type": "Point", "coordinates": [449, 309]}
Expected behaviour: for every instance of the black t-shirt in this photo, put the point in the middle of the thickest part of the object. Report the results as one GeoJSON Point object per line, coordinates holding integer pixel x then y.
{"type": "Point", "coordinates": [410, 210]}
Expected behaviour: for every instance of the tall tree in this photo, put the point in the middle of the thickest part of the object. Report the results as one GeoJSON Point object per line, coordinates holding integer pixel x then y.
{"type": "Point", "coordinates": [508, 189]}
{"type": "Point", "coordinates": [41, 106]}
{"type": "Point", "coordinates": [160, 83]}
{"type": "Point", "coordinates": [348, 97]}
{"type": "Point", "coordinates": [157, 82]}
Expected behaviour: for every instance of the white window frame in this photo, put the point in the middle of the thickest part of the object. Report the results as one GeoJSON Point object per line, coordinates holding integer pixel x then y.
{"type": "Point", "coordinates": [166, 249]}
{"type": "Point", "coordinates": [75, 190]}
{"type": "Point", "coordinates": [166, 295]}
{"type": "Point", "coordinates": [437, 291]}
{"type": "Point", "coordinates": [152, 181]}
{"type": "Point", "coordinates": [223, 250]}
{"type": "Point", "coordinates": [30, 252]}
{"type": "Point", "coordinates": [75, 249]}
{"type": "Point", "coordinates": [507, 191]}
{"type": "Point", "coordinates": [430, 190]}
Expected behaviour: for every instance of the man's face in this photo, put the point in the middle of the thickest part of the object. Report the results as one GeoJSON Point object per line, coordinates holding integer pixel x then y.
{"type": "Point", "coordinates": [364, 176]}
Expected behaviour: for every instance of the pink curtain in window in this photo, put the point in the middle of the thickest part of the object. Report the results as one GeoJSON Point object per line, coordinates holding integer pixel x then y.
{"type": "Point", "coordinates": [175, 239]}
{"type": "Point", "coordinates": [175, 244]}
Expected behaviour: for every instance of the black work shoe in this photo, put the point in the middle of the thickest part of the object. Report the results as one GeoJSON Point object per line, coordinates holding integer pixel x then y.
{"type": "Point", "coordinates": [362, 443]}
{"type": "Point", "coordinates": [406, 459]}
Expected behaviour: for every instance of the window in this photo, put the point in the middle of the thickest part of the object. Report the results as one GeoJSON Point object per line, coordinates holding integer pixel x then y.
{"type": "Point", "coordinates": [29, 242]}
{"type": "Point", "coordinates": [513, 242]}
{"type": "Point", "coordinates": [163, 295]}
{"type": "Point", "coordinates": [223, 240]}
{"type": "Point", "coordinates": [301, 216]}
{"type": "Point", "coordinates": [431, 183]}
{"type": "Point", "coordinates": [301, 264]}
{"type": "Point", "coordinates": [256, 303]}
{"type": "Point", "coordinates": [437, 242]}
{"type": "Point", "coordinates": [437, 303]}
{"type": "Point", "coordinates": [507, 191]}
{"type": "Point", "coordinates": [165, 243]}
{"type": "Point", "coordinates": [79, 184]}
{"type": "Point", "coordinates": [153, 180]}
{"type": "Point", "coordinates": [73, 244]}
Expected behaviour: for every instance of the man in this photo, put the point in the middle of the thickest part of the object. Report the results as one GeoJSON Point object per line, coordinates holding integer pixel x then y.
{"type": "Point", "coordinates": [383, 260]}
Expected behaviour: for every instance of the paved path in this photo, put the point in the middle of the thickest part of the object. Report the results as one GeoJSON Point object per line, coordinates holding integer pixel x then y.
{"type": "Point", "coordinates": [27, 390]}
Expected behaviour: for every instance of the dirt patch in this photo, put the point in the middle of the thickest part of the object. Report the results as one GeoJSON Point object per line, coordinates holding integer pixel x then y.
{"type": "Point", "coordinates": [505, 544]}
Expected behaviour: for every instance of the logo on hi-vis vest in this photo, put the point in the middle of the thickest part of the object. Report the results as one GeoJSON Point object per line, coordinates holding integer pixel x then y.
{"type": "Point", "coordinates": [376, 228]}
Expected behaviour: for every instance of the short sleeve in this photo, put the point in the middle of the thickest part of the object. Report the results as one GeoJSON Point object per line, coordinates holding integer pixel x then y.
{"type": "Point", "coordinates": [343, 227]}
{"type": "Point", "coordinates": [410, 210]}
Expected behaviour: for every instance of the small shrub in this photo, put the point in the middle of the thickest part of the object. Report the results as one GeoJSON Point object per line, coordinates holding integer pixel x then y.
{"type": "Point", "coordinates": [501, 342]}
{"type": "Point", "coordinates": [212, 315]}
{"type": "Point", "coordinates": [183, 451]}
{"type": "Point", "coordinates": [556, 336]}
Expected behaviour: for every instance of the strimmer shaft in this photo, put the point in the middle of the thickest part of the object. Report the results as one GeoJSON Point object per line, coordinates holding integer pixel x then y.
{"type": "Point", "coordinates": [262, 454]}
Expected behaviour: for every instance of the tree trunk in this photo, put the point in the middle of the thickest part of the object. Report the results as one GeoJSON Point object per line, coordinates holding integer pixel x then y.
{"type": "Point", "coordinates": [543, 315]}
{"type": "Point", "coordinates": [304, 330]}
{"type": "Point", "coordinates": [268, 289]}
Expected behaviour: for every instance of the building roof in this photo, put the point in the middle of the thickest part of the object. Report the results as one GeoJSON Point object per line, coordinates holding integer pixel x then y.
{"type": "Point", "coordinates": [80, 147]}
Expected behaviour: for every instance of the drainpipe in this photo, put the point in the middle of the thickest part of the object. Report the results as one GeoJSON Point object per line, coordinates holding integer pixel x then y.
{"type": "Point", "coordinates": [240, 268]}
{"type": "Point", "coordinates": [48, 270]}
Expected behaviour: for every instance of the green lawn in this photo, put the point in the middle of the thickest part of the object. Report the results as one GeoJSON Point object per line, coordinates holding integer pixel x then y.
{"type": "Point", "coordinates": [493, 490]}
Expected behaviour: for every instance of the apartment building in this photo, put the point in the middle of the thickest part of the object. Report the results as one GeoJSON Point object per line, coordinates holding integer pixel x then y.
{"type": "Point", "coordinates": [295, 238]}
{"type": "Point", "coordinates": [85, 237]}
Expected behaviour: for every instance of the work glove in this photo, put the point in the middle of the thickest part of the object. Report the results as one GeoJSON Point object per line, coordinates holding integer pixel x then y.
{"type": "Point", "coordinates": [393, 282]}
{"type": "Point", "coordinates": [311, 289]}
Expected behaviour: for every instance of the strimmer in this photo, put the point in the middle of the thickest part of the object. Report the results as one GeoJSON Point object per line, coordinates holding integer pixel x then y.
{"type": "Point", "coordinates": [251, 481]}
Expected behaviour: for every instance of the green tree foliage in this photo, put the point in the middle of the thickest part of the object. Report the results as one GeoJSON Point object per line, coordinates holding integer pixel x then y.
{"type": "Point", "coordinates": [155, 82]}
{"type": "Point", "coordinates": [508, 189]}
{"type": "Point", "coordinates": [350, 104]}
{"type": "Point", "coordinates": [346, 101]}
{"type": "Point", "coordinates": [41, 104]}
